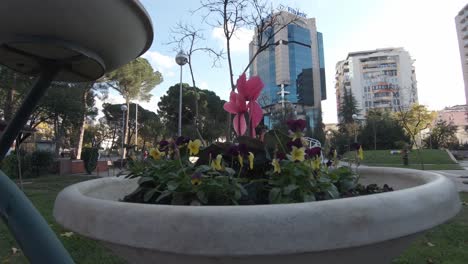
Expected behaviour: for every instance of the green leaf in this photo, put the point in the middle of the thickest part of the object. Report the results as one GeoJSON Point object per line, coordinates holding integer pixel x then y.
{"type": "Point", "coordinates": [230, 171]}
{"type": "Point", "coordinates": [144, 180]}
{"type": "Point", "coordinates": [308, 197]}
{"type": "Point", "coordinates": [289, 189]}
{"type": "Point", "coordinates": [333, 192]}
{"type": "Point", "coordinates": [202, 197]}
{"type": "Point", "coordinates": [172, 185]}
{"type": "Point", "coordinates": [237, 195]}
{"type": "Point", "coordinates": [203, 168]}
{"type": "Point", "coordinates": [163, 195]}
{"type": "Point", "coordinates": [274, 195]}
{"type": "Point", "coordinates": [242, 189]}
{"type": "Point", "coordinates": [148, 195]}
{"type": "Point", "coordinates": [178, 199]}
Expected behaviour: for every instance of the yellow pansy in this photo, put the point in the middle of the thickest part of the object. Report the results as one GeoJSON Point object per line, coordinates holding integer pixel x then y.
{"type": "Point", "coordinates": [297, 154]}
{"type": "Point", "coordinates": [241, 160]}
{"type": "Point", "coordinates": [156, 154]}
{"type": "Point", "coordinates": [276, 165]}
{"type": "Point", "coordinates": [316, 164]}
{"type": "Point", "coordinates": [216, 164]}
{"type": "Point", "coordinates": [251, 160]}
{"type": "Point", "coordinates": [360, 153]}
{"type": "Point", "coordinates": [194, 146]}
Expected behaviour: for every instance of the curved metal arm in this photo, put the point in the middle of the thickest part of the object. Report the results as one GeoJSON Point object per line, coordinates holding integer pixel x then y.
{"type": "Point", "coordinates": [38, 242]}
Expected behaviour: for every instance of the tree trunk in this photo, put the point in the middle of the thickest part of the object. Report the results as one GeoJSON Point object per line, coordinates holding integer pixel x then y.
{"type": "Point", "coordinates": [124, 154]}
{"type": "Point", "coordinates": [114, 133]}
{"type": "Point", "coordinates": [82, 127]}
{"type": "Point", "coordinates": [58, 136]}
{"type": "Point", "coordinates": [8, 108]}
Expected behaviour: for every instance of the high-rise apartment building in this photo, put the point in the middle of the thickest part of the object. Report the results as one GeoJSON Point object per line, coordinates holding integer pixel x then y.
{"type": "Point", "coordinates": [461, 21]}
{"type": "Point", "coordinates": [292, 69]}
{"type": "Point", "coordinates": [378, 79]}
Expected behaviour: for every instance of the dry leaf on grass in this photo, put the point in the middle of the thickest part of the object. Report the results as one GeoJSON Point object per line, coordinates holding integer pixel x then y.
{"type": "Point", "coordinates": [429, 244]}
{"type": "Point", "coordinates": [67, 234]}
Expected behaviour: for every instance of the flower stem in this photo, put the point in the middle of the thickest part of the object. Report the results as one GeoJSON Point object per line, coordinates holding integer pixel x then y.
{"type": "Point", "coordinates": [279, 141]}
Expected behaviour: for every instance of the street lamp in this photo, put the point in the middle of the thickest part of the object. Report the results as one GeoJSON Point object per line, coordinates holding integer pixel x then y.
{"type": "Point", "coordinates": [124, 109]}
{"type": "Point", "coordinates": [355, 118]}
{"type": "Point", "coordinates": [181, 59]}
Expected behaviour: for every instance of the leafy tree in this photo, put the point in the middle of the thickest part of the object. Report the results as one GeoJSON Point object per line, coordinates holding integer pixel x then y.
{"type": "Point", "coordinates": [58, 109]}
{"type": "Point", "coordinates": [348, 108]}
{"type": "Point", "coordinates": [113, 115]}
{"type": "Point", "coordinates": [151, 132]}
{"type": "Point", "coordinates": [95, 135]}
{"type": "Point", "coordinates": [414, 120]}
{"type": "Point", "coordinates": [13, 87]}
{"type": "Point", "coordinates": [318, 132]}
{"type": "Point", "coordinates": [89, 89]}
{"type": "Point", "coordinates": [61, 109]}
{"type": "Point", "coordinates": [382, 131]}
{"type": "Point", "coordinates": [187, 38]}
{"type": "Point", "coordinates": [280, 116]}
{"type": "Point", "coordinates": [211, 112]}
{"type": "Point", "coordinates": [347, 126]}
{"type": "Point", "coordinates": [442, 135]}
{"type": "Point", "coordinates": [134, 81]}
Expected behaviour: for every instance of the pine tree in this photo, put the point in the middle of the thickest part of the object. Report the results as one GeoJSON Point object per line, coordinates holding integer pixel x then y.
{"type": "Point", "coordinates": [348, 107]}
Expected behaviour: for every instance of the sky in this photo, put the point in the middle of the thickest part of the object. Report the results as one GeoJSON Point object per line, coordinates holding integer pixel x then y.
{"type": "Point", "coordinates": [426, 29]}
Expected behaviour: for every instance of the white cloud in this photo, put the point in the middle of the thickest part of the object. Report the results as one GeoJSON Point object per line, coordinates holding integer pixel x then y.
{"type": "Point", "coordinates": [203, 85]}
{"type": "Point", "coordinates": [160, 62]}
{"type": "Point", "coordinates": [239, 42]}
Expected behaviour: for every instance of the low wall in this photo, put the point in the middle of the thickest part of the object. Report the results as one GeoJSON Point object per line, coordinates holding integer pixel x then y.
{"type": "Point", "coordinates": [460, 154]}
{"type": "Point", "coordinates": [67, 166]}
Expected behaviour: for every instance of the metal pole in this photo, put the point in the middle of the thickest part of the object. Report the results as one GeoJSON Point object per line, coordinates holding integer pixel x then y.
{"type": "Point", "coordinates": [179, 129]}
{"type": "Point", "coordinates": [355, 133]}
{"type": "Point", "coordinates": [123, 139]}
{"type": "Point", "coordinates": [33, 234]}
{"type": "Point", "coordinates": [136, 126]}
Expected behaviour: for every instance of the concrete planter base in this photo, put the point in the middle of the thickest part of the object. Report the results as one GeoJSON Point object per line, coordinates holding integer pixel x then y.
{"type": "Point", "coordinates": [365, 229]}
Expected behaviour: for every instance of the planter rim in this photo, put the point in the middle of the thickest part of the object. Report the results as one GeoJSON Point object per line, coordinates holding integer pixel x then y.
{"type": "Point", "coordinates": [261, 229]}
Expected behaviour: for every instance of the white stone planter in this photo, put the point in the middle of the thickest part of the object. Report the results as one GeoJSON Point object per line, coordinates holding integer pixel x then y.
{"type": "Point", "coordinates": [366, 229]}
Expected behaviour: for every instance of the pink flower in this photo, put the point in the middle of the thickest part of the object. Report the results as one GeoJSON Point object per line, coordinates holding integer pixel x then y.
{"type": "Point", "coordinates": [250, 91]}
{"type": "Point", "coordinates": [238, 107]}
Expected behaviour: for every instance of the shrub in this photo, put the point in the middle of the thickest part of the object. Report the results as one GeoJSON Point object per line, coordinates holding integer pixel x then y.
{"type": "Point", "coordinates": [9, 165]}
{"type": "Point", "coordinates": [90, 159]}
{"type": "Point", "coordinates": [39, 161]}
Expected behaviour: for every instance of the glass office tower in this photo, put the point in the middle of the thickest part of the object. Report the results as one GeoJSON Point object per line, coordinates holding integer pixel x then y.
{"type": "Point", "coordinates": [293, 70]}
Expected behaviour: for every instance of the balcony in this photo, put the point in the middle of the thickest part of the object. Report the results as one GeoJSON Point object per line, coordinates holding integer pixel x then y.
{"type": "Point", "coordinates": [465, 35]}
{"type": "Point", "coordinates": [465, 43]}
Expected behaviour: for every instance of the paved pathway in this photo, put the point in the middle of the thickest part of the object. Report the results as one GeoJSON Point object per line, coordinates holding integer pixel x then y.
{"type": "Point", "coordinates": [458, 176]}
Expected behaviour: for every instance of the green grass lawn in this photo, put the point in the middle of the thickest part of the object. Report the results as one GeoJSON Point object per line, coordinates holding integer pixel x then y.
{"type": "Point", "coordinates": [42, 191]}
{"type": "Point", "coordinates": [446, 244]}
{"type": "Point", "coordinates": [434, 159]}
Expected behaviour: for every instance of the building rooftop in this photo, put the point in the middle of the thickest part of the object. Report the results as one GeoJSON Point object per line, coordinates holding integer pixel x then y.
{"type": "Point", "coordinates": [368, 52]}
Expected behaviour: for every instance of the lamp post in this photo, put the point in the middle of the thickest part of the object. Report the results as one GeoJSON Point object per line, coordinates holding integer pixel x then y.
{"type": "Point", "coordinates": [181, 59]}
{"type": "Point", "coordinates": [123, 108]}
{"type": "Point", "coordinates": [355, 118]}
